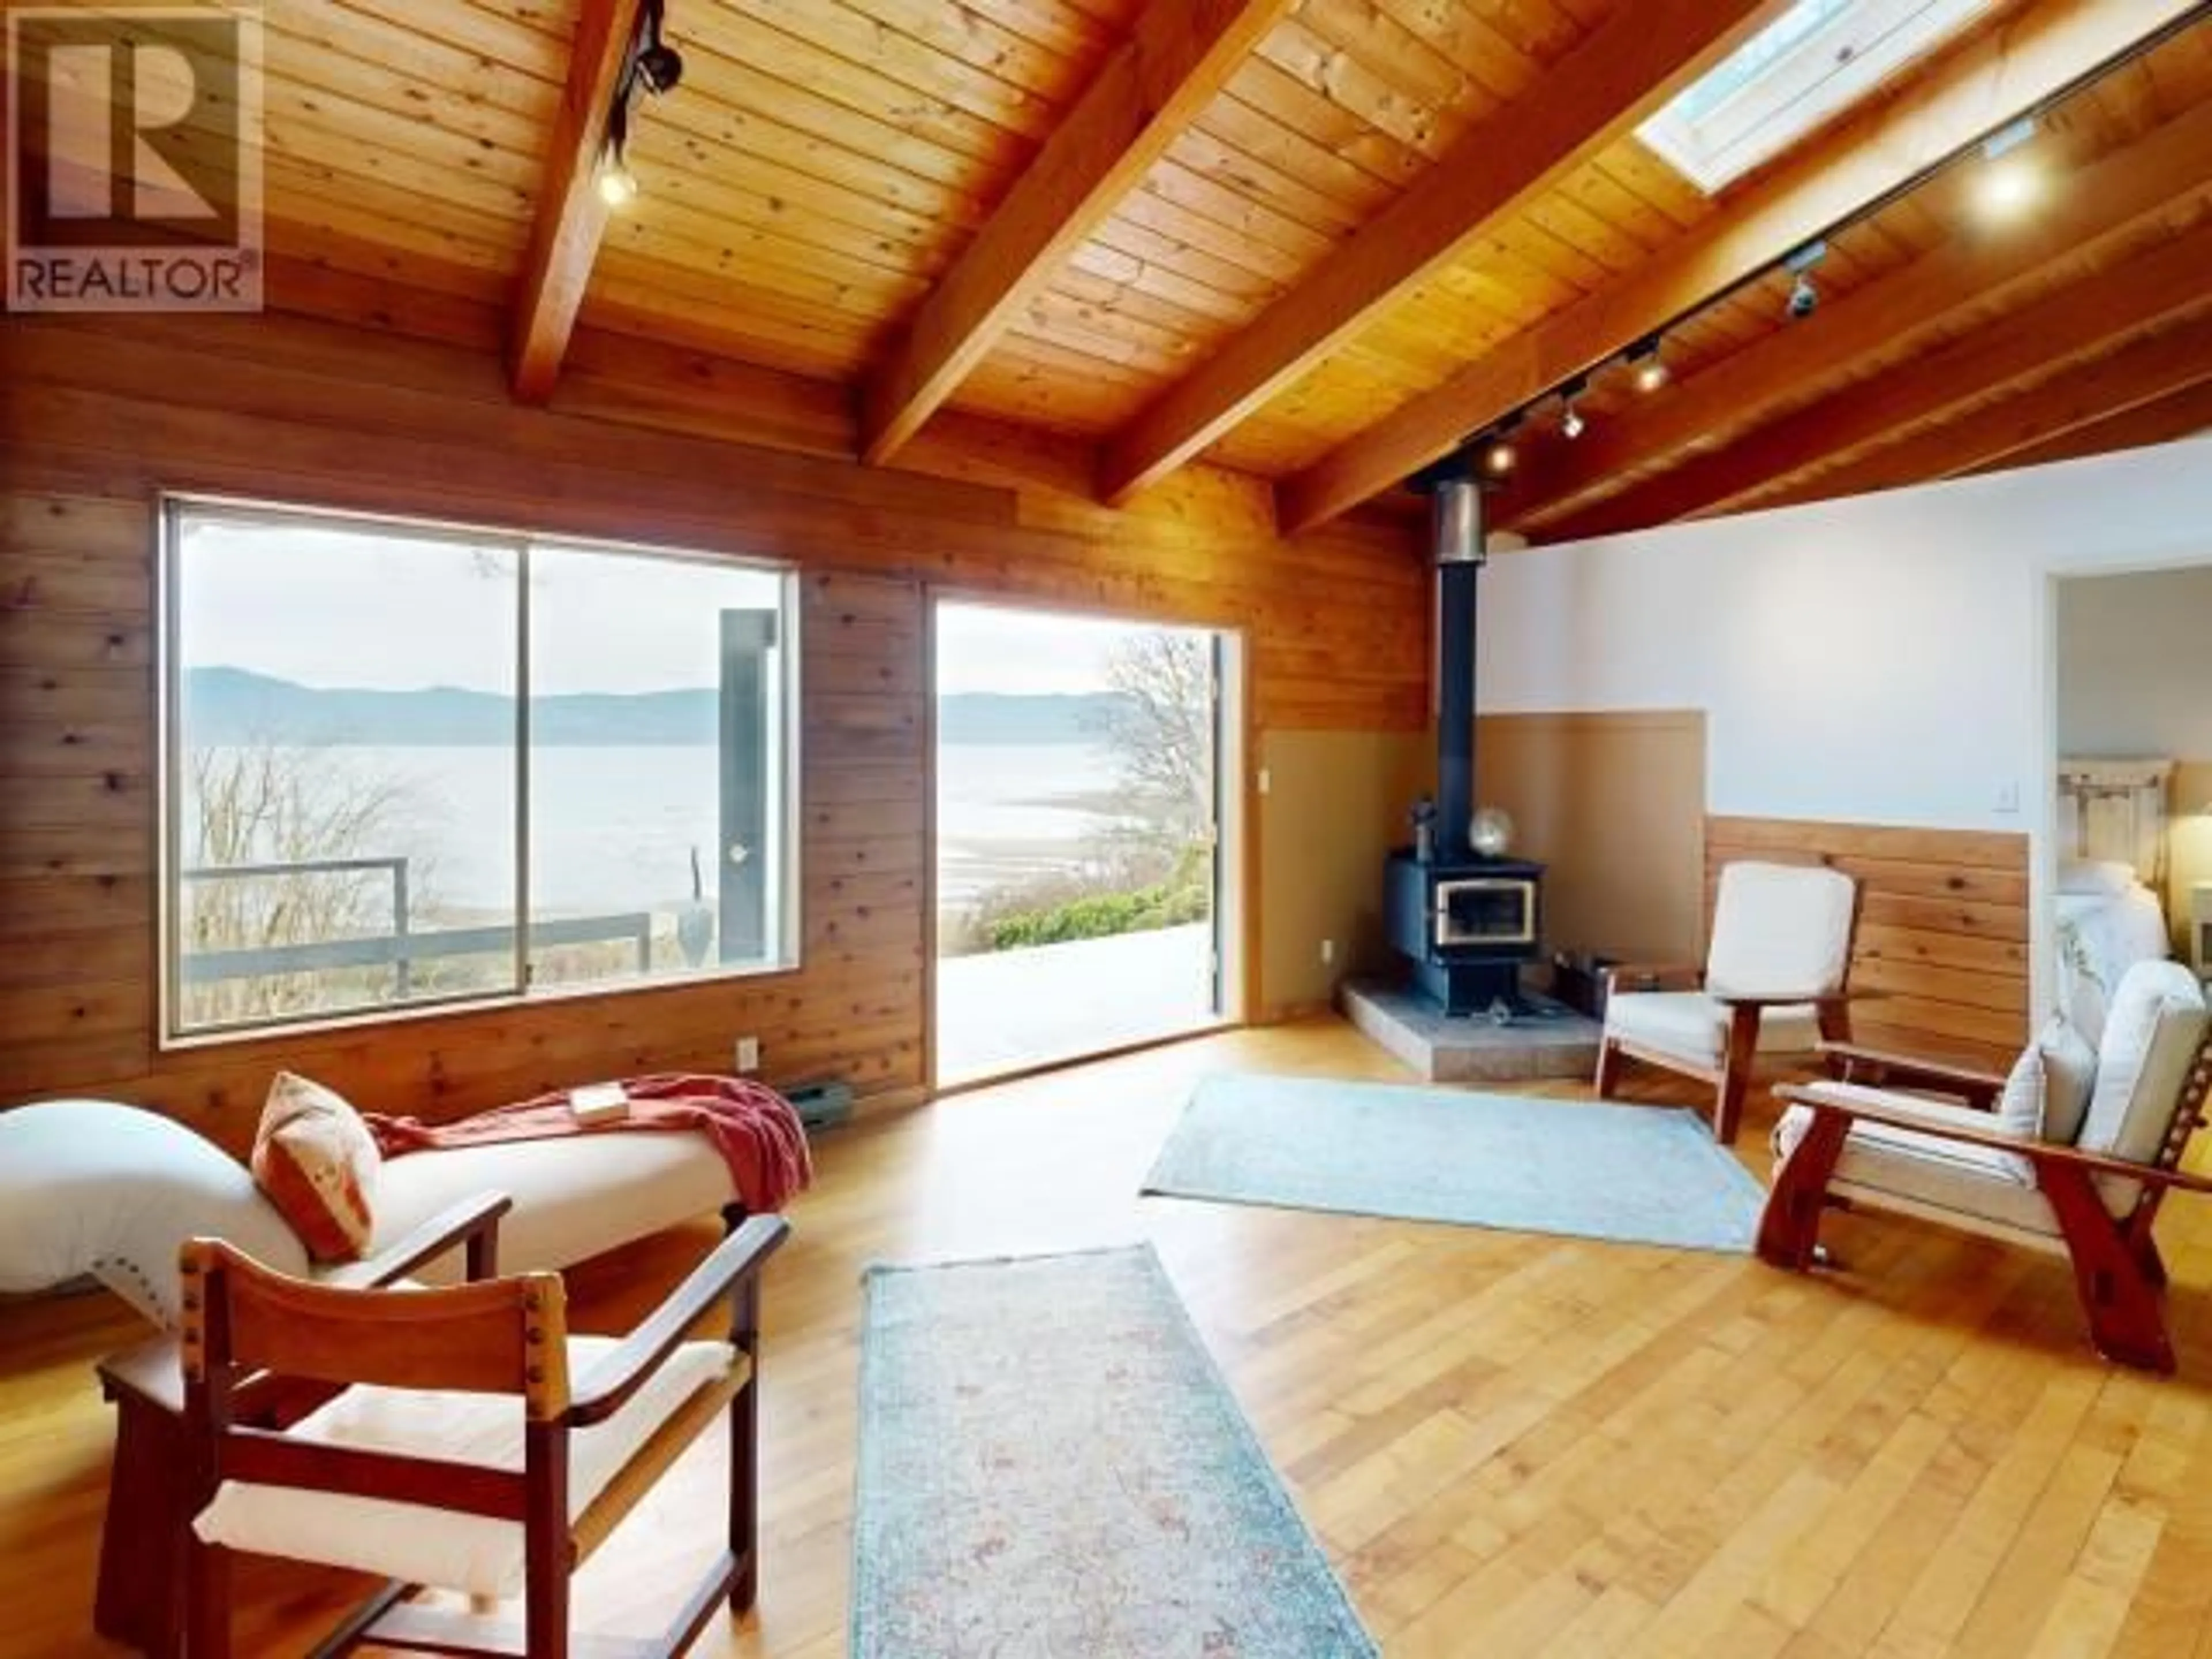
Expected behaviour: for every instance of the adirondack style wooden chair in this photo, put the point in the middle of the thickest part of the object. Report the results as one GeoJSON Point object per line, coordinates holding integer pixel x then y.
{"type": "Point", "coordinates": [1774, 984]}
{"type": "Point", "coordinates": [501, 1450]}
{"type": "Point", "coordinates": [2090, 1193]}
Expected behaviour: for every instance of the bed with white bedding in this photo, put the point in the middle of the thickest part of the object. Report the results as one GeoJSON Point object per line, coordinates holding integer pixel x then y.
{"type": "Point", "coordinates": [2111, 825]}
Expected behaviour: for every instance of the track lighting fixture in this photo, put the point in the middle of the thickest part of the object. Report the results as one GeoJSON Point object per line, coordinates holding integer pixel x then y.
{"type": "Point", "coordinates": [655, 66]}
{"type": "Point", "coordinates": [1647, 364]}
{"type": "Point", "coordinates": [1571, 423]}
{"type": "Point", "coordinates": [1500, 456]}
{"type": "Point", "coordinates": [2009, 181]}
{"type": "Point", "coordinates": [659, 65]}
{"type": "Point", "coordinates": [1804, 298]}
{"type": "Point", "coordinates": [617, 184]}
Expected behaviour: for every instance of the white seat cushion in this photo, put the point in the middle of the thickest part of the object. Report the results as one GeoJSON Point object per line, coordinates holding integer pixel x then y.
{"type": "Point", "coordinates": [574, 1196]}
{"type": "Point", "coordinates": [1969, 1183]}
{"type": "Point", "coordinates": [418, 1545]}
{"type": "Point", "coordinates": [1695, 1026]}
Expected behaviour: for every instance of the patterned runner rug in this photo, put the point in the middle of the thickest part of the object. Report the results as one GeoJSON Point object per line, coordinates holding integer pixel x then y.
{"type": "Point", "coordinates": [1643, 1175]}
{"type": "Point", "coordinates": [1050, 1464]}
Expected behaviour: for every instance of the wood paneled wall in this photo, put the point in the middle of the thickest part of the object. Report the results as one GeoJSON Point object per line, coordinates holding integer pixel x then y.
{"type": "Point", "coordinates": [98, 415]}
{"type": "Point", "coordinates": [1943, 926]}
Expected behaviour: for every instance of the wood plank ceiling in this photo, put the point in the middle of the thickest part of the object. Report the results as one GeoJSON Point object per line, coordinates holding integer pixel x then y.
{"type": "Point", "coordinates": [1320, 241]}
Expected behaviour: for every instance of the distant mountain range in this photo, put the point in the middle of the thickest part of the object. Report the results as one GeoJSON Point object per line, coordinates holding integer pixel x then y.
{"type": "Point", "coordinates": [234, 706]}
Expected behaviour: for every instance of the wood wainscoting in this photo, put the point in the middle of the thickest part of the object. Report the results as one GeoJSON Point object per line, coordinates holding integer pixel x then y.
{"type": "Point", "coordinates": [1943, 926]}
{"type": "Point", "coordinates": [97, 415]}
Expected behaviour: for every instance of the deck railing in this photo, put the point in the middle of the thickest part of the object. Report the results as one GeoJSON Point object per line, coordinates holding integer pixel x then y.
{"type": "Point", "coordinates": [401, 948]}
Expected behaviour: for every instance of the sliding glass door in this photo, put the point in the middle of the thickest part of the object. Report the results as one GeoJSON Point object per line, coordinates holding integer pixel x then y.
{"type": "Point", "coordinates": [1080, 878]}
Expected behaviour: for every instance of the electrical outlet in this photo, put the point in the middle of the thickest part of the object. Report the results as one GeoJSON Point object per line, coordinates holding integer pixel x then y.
{"type": "Point", "coordinates": [2008, 797]}
{"type": "Point", "coordinates": [748, 1054]}
{"type": "Point", "coordinates": [1328, 952]}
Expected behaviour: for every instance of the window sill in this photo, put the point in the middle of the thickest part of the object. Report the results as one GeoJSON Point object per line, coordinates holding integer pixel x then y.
{"type": "Point", "coordinates": [373, 1019]}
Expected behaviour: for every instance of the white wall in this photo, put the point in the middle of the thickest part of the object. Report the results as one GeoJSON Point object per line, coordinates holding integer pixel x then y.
{"type": "Point", "coordinates": [1884, 659]}
{"type": "Point", "coordinates": [2135, 665]}
{"type": "Point", "coordinates": [1887, 659]}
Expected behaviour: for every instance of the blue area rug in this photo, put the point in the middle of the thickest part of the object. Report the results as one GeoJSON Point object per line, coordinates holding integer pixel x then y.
{"type": "Point", "coordinates": [1642, 1175]}
{"type": "Point", "coordinates": [1051, 1465]}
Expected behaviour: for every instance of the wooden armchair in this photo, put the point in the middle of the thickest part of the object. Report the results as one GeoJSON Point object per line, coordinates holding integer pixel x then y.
{"type": "Point", "coordinates": [474, 1445]}
{"type": "Point", "coordinates": [1774, 983]}
{"type": "Point", "coordinates": [1962, 1166]}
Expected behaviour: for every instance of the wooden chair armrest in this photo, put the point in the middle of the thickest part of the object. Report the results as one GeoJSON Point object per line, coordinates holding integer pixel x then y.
{"type": "Point", "coordinates": [1916, 1071]}
{"type": "Point", "coordinates": [608, 1385]}
{"type": "Point", "coordinates": [1632, 976]}
{"type": "Point", "coordinates": [473, 1221]}
{"type": "Point", "coordinates": [1973, 1128]}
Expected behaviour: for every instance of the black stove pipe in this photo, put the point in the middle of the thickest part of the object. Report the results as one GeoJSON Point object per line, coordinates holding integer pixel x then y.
{"type": "Point", "coordinates": [1456, 520]}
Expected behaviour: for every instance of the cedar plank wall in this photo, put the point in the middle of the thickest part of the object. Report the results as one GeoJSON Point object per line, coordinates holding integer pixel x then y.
{"type": "Point", "coordinates": [1943, 927]}
{"type": "Point", "coordinates": [97, 414]}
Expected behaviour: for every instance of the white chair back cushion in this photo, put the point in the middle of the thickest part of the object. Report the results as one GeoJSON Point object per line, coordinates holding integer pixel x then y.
{"type": "Point", "coordinates": [2151, 1039]}
{"type": "Point", "coordinates": [1781, 929]}
{"type": "Point", "coordinates": [90, 1187]}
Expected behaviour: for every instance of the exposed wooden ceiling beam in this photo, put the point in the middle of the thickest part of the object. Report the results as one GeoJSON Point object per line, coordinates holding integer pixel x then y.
{"type": "Point", "coordinates": [564, 239]}
{"type": "Point", "coordinates": [2080, 320]}
{"type": "Point", "coordinates": [2168, 172]}
{"type": "Point", "coordinates": [1628, 68]}
{"type": "Point", "coordinates": [2148, 370]}
{"type": "Point", "coordinates": [2183, 414]}
{"type": "Point", "coordinates": [2019, 63]}
{"type": "Point", "coordinates": [1155, 85]}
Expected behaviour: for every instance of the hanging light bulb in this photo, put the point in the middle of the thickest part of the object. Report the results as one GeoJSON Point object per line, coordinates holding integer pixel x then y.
{"type": "Point", "coordinates": [1500, 456]}
{"type": "Point", "coordinates": [617, 184]}
{"type": "Point", "coordinates": [2009, 182]}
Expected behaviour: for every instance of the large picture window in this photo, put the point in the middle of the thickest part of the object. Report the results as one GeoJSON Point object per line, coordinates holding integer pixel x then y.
{"type": "Point", "coordinates": [408, 764]}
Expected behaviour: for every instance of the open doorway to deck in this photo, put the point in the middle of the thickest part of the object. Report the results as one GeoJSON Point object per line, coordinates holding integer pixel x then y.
{"type": "Point", "coordinates": [1085, 776]}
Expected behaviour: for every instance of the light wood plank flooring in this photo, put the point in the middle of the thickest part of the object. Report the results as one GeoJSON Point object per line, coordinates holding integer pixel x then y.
{"type": "Point", "coordinates": [1509, 1444]}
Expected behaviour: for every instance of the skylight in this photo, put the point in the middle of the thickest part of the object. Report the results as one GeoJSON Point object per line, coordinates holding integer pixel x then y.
{"type": "Point", "coordinates": [1817, 58]}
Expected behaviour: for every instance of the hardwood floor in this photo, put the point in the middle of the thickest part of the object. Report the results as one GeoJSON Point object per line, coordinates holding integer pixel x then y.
{"type": "Point", "coordinates": [1509, 1444]}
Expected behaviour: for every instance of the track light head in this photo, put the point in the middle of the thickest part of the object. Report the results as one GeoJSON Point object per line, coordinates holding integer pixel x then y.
{"type": "Point", "coordinates": [659, 67]}
{"type": "Point", "coordinates": [1804, 298]}
{"type": "Point", "coordinates": [1648, 365]}
{"type": "Point", "coordinates": [1571, 423]}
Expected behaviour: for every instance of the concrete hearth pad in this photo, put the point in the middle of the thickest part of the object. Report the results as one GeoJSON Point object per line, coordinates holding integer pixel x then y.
{"type": "Point", "coordinates": [1561, 1043]}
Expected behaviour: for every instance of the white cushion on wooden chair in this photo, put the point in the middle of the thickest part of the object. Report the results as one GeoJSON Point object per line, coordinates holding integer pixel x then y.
{"type": "Point", "coordinates": [1780, 930]}
{"type": "Point", "coordinates": [1965, 1184]}
{"type": "Point", "coordinates": [1695, 1026]}
{"type": "Point", "coordinates": [419, 1545]}
{"type": "Point", "coordinates": [2151, 1037]}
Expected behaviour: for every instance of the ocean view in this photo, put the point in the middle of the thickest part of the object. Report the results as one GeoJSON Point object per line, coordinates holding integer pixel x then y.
{"type": "Point", "coordinates": [615, 826]}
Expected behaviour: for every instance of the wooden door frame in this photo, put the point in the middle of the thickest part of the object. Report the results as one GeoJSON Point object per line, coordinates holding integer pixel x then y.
{"type": "Point", "coordinates": [1236, 922]}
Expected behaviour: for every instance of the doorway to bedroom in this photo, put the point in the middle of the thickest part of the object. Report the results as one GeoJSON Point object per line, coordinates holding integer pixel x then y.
{"type": "Point", "coordinates": [2133, 812]}
{"type": "Point", "coordinates": [1083, 873]}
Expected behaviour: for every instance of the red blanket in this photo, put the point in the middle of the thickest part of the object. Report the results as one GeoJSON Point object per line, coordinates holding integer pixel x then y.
{"type": "Point", "coordinates": [752, 1127]}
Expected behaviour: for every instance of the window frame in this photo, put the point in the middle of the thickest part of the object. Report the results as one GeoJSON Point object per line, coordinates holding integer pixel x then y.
{"type": "Point", "coordinates": [784, 902]}
{"type": "Point", "coordinates": [1802, 88]}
